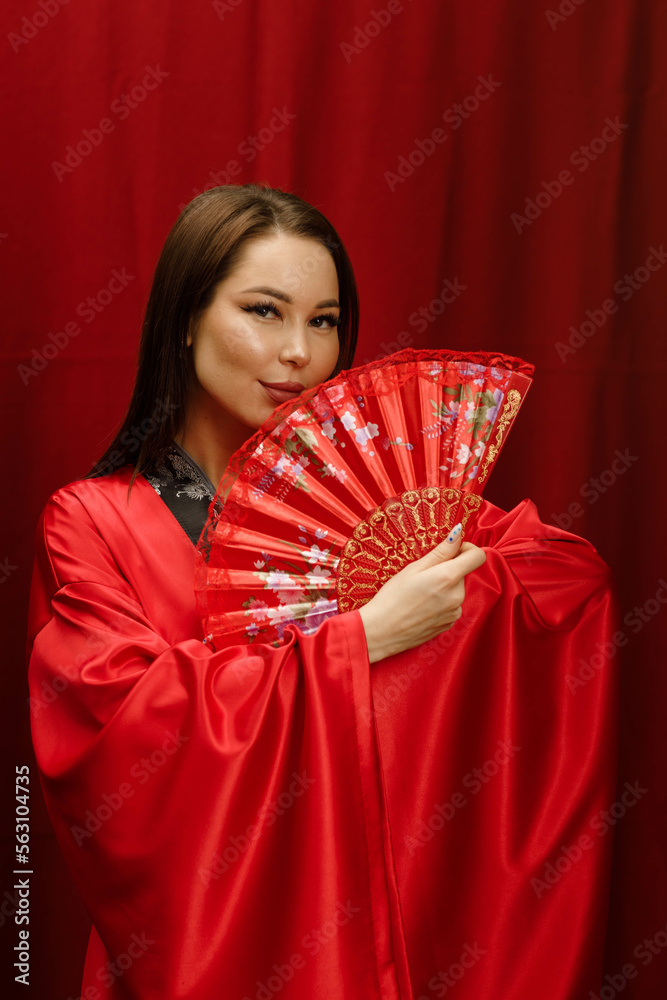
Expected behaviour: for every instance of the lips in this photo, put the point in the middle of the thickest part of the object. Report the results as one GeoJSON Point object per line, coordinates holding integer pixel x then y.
{"type": "Point", "coordinates": [281, 392]}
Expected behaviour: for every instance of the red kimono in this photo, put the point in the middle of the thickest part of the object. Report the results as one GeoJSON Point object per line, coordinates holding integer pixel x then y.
{"type": "Point", "coordinates": [263, 822]}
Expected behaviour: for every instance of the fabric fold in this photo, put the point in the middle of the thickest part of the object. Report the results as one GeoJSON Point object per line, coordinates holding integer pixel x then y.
{"type": "Point", "coordinates": [287, 820]}
{"type": "Point", "coordinates": [221, 809]}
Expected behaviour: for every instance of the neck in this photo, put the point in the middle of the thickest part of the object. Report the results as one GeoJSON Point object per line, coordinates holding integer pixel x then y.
{"type": "Point", "coordinates": [210, 440]}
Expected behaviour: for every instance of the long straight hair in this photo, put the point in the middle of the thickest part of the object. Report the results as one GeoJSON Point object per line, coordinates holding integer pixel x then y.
{"type": "Point", "coordinates": [202, 249]}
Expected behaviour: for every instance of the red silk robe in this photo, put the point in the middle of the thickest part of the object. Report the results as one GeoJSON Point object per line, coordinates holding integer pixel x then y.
{"type": "Point", "coordinates": [262, 822]}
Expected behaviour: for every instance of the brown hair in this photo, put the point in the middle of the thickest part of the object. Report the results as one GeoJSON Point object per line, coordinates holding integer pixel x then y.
{"type": "Point", "coordinates": [201, 250]}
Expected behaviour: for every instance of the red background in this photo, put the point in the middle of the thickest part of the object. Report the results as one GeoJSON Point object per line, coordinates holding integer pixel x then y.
{"type": "Point", "coordinates": [362, 89]}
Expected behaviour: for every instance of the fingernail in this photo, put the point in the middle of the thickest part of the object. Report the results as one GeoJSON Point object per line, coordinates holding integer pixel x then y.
{"type": "Point", "coordinates": [455, 532]}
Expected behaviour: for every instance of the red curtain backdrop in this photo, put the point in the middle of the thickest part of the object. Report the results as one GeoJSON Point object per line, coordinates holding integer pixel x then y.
{"type": "Point", "coordinates": [496, 170]}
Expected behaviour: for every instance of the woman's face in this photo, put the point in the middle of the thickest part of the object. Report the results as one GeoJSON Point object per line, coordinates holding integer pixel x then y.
{"type": "Point", "coordinates": [270, 331]}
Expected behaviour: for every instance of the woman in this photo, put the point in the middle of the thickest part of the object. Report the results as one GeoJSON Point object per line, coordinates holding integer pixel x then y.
{"type": "Point", "coordinates": [261, 820]}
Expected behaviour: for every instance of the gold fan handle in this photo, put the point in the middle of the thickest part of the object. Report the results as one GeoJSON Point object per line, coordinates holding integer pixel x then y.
{"type": "Point", "coordinates": [403, 528]}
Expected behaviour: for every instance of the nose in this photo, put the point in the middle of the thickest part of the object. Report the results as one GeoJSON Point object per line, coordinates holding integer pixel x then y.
{"type": "Point", "coordinates": [295, 348]}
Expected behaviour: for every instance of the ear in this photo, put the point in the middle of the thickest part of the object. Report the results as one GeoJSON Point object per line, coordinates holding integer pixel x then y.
{"type": "Point", "coordinates": [188, 338]}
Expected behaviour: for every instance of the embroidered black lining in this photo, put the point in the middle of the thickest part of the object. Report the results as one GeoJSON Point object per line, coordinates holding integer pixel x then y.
{"type": "Point", "coordinates": [185, 489]}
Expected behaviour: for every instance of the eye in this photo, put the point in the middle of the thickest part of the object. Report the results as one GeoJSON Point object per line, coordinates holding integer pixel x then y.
{"type": "Point", "coordinates": [262, 309]}
{"type": "Point", "coordinates": [325, 320]}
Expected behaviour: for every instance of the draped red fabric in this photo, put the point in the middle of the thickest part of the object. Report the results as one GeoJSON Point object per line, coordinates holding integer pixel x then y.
{"type": "Point", "coordinates": [496, 173]}
{"type": "Point", "coordinates": [230, 818]}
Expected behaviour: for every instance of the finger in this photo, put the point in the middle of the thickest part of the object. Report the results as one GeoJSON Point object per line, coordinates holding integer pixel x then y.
{"type": "Point", "coordinates": [445, 550]}
{"type": "Point", "coordinates": [469, 558]}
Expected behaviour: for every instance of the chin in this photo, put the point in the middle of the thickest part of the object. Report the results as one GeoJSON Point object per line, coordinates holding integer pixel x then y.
{"type": "Point", "coordinates": [261, 418]}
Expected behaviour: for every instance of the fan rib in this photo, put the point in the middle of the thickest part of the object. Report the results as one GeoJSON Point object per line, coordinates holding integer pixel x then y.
{"type": "Point", "coordinates": [363, 475]}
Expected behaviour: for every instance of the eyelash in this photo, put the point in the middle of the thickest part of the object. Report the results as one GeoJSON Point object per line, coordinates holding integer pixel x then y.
{"type": "Point", "coordinates": [331, 318]}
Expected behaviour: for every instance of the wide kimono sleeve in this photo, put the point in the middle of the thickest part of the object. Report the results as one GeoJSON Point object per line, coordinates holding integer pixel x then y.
{"type": "Point", "coordinates": [498, 746]}
{"type": "Point", "coordinates": [220, 812]}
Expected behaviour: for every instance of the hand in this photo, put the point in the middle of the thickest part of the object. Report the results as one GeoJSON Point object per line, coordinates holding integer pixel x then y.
{"type": "Point", "coordinates": [421, 600]}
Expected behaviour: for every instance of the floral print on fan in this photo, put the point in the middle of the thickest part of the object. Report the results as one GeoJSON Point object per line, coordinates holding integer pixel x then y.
{"type": "Point", "coordinates": [465, 406]}
{"type": "Point", "coordinates": [302, 589]}
{"type": "Point", "coordinates": [464, 424]}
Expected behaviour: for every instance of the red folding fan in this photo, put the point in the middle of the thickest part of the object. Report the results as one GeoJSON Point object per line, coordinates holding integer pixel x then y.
{"type": "Point", "coordinates": [345, 485]}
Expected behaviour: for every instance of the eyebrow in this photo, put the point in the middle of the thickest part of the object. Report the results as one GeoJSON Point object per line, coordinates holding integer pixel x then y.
{"type": "Point", "coordinates": [284, 297]}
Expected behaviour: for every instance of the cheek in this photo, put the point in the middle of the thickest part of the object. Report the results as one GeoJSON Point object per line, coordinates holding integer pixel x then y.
{"type": "Point", "coordinates": [328, 357]}
{"type": "Point", "coordinates": [234, 350]}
